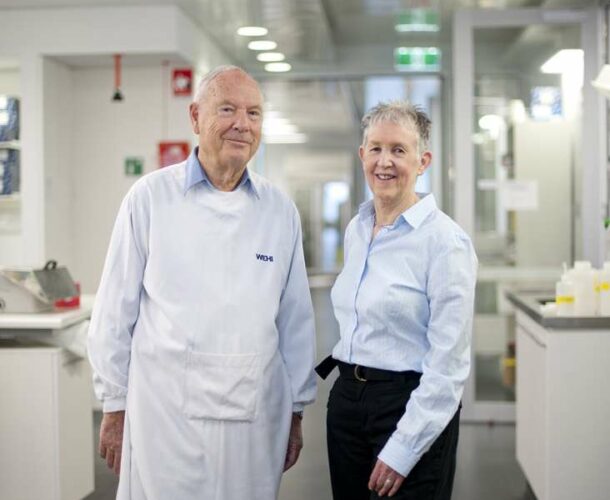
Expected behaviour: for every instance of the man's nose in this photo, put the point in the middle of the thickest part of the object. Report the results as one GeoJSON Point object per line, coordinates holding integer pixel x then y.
{"type": "Point", "coordinates": [242, 124]}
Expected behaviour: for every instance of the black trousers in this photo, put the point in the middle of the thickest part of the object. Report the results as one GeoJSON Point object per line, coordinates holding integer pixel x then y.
{"type": "Point", "coordinates": [361, 417]}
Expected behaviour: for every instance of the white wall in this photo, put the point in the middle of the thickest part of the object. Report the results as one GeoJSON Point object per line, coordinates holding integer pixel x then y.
{"type": "Point", "coordinates": [58, 125]}
{"type": "Point", "coordinates": [31, 35]}
{"type": "Point", "coordinates": [104, 133]}
{"type": "Point", "coordinates": [9, 82]}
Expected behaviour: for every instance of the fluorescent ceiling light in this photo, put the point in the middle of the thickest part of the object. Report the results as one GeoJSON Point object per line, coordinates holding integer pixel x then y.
{"type": "Point", "coordinates": [491, 122]}
{"type": "Point", "coordinates": [286, 139]}
{"type": "Point", "coordinates": [262, 45]}
{"type": "Point", "coordinates": [278, 67]}
{"type": "Point", "coordinates": [270, 56]}
{"type": "Point", "coordinates": [563, 61]}
{"type": "Point", "coordinates": [277, 129]}
{"type": "Point", "coordinates": [252, 31]}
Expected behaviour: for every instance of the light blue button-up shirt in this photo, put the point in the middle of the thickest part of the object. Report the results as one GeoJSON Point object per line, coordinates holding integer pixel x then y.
{"type": "Point", "coordinates": [404, 301]}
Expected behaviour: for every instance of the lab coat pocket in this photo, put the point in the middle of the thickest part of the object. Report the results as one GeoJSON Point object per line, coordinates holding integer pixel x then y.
{"type": "Point", "coordinates": [221, 386]}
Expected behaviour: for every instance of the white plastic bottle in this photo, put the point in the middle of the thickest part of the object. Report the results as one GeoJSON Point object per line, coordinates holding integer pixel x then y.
{"type": "Point", "coordinates": [583, 276]}
{"type": "Point", "coordinates": [564, 296]}
{"type": "Point", "coordinates": [604, 290]}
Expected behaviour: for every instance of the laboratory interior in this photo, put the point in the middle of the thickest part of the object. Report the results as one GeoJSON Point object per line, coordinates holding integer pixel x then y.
{"type": "Point", "coordinates": [95, 94]}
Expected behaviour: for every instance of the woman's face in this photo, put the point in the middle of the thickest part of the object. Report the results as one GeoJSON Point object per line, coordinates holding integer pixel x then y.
{"type": "Point", "coordinates": [391, 162]}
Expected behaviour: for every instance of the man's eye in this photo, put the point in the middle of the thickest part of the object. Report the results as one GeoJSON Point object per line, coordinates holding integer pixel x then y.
{"type": "Point", "coordinates": [255, 114]}
{"type": "Point", "coordinates": [226, 109]}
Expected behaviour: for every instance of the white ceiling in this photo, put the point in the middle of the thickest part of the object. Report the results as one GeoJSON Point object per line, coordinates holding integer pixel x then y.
{"type": "Point", "coordinates": [320, 36]}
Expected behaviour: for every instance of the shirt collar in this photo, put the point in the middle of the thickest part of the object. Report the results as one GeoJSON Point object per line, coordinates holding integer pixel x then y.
{"type": "Point", "coordinates": [414, 215]}
{"type": "Point", "coordinates": [196, 174]}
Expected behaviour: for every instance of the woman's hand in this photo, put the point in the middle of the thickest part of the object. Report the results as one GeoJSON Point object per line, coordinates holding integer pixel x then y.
{"type": "Point", "coordinates": [385, 480]}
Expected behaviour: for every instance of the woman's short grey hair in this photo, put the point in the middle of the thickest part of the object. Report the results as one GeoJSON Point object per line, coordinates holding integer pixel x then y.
{"type": "Point", "coordinates": [402, 113]}
{"type": "Point", "coordinates": [212, 75]}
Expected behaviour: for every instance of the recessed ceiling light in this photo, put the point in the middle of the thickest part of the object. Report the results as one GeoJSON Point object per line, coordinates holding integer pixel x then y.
{"type": "Point", "coordinates": [278, 67]}
{"type": "Point", "coordinates": [286, 139]}
{"type": "Point", "coordinates": [262, 45]}
{"type": "Point", "coordinates": [564, 60]}
{"type": "Point", "coordinates": [252, 31]}
{"type": "Point", "coordinates": [270, 56]}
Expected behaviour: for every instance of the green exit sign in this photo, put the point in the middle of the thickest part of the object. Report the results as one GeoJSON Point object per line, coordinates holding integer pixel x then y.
{"type": "Point", "coordinates": [417, 20]}
{"type": "Point", "coordinates": [134, 165]}
{"type": "Point", "coordinates": [417, 59]}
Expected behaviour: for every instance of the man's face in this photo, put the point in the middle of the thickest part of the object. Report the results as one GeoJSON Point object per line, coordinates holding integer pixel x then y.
{"type": "Point", "coordinates": [228, 120]}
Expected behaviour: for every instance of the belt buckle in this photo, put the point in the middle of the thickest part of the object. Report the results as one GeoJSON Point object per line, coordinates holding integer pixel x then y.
{"type": "Point", "coordinates": [358, 377]}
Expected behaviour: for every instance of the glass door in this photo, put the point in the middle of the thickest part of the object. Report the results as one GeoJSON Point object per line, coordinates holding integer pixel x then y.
{"type": "Point", "coordinates": [520, 171]}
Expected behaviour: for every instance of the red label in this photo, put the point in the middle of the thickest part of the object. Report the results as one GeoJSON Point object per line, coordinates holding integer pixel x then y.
{"type": "Point", "coordinates": [182, 81]}
{"type": "Point", "coordinates": [173, 152]}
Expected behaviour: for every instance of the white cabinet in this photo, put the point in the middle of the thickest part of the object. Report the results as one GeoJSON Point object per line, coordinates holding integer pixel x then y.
{"type": "Point", "coordinates": [45, 424]}
{"type": "Point", "coordinates": [563, 410]}
{"type": "Point", "coordinates": [46, 420]}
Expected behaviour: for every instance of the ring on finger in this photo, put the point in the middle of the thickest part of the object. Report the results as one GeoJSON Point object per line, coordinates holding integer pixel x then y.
{"type": "Point", "coordinates": [388, 481]}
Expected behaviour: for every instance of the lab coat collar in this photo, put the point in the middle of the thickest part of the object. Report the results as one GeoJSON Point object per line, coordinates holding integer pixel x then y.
{"type": "Point", "coordinates": [196, 174]}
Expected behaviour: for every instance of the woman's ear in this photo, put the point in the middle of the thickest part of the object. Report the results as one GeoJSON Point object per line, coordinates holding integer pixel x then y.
{"type": "Point", "coordinates": [425, 160]}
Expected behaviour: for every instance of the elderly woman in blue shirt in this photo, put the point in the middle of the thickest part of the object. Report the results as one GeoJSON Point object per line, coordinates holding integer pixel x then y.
{"type": "Point", "coordinates": [404, 304]}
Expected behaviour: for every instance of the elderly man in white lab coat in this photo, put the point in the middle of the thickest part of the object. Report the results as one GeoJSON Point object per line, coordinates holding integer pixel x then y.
{"type": "Point", "coordinates": [202, 336]}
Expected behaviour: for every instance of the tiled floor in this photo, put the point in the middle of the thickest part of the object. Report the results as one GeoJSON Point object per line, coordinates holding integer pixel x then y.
{"type": "Point", "coordinates": [487, 469]}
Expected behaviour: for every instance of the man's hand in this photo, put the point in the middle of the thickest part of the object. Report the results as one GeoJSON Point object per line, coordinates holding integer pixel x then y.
{"type": "Point", "coordinates": [385, 480]}
{"type": "Point", "coordinates": [295, 442]}
{"type": "Point", "coordinates": [111, 439]}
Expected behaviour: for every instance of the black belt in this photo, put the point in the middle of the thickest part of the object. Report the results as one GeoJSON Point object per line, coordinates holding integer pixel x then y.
{"type": "Point", "coordinates": [362, 373]}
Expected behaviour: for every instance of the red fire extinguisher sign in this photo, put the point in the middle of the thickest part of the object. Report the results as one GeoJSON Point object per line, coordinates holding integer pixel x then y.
{"type": "Point", "coordinates": [182, 81]}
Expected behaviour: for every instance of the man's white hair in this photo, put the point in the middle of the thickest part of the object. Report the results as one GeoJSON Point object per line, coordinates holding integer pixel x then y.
{"type": "Point", "coordinates": [402, 113]}
{"type": "Point", "coordinates": [212, 75]}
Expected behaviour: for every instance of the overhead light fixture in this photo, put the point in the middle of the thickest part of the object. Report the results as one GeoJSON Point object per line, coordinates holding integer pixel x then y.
{"type": "Point", "coordinates": [252, 31]}
{"type": "Point", "coordinates": [297, 138]}
{"type": "Point", "coordinates": [417, 20]}
{"type": "Point", "coordinates": [262, 45]}
{"type": "Point", "coordinates": [564, 60]}
{"type": "Point", "coordinates": [270, 57]}
{"type": "Point", "coordinates": [278, 67]}
{"type": "Point", "coordinates": [279, 127]}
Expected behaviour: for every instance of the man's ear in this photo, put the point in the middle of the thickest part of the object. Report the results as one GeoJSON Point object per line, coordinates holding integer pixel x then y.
{"type": "Point", "coordinates": [194, 114]}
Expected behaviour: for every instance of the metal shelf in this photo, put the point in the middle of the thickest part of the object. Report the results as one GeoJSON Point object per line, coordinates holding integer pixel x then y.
{"type": "Point", "coordinates": [10, 200]}
{"type": "Point", "coordinates": [10, 145]}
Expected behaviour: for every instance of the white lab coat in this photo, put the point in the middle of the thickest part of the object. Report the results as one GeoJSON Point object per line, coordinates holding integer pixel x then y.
{"type": "Point", "coordinates": [203, 331]}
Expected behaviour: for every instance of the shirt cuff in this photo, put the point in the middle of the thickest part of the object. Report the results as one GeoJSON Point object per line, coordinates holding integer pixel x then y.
{"type": "Point", "coordinates": [114, 404]}
{"type": "Point", "coordinates": [398, 457]}
{"type": "Point", "coordinates": [297, 407]}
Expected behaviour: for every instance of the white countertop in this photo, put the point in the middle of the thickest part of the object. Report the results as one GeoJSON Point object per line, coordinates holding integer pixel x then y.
{"type": "Point", "coordinates": [55, 320]}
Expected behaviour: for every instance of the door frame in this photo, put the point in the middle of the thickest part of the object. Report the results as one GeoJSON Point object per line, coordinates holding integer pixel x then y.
{"type": "Point", "coordinates": [594, 156]}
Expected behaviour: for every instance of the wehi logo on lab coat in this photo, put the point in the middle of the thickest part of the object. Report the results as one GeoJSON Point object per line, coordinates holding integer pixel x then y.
{"type": "Point", "coordinates": [264, 258]}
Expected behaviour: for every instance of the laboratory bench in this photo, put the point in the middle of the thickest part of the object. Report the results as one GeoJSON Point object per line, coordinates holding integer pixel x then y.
{"type": "Point", "coordinates": [46, 424]}
{"type": "Point", "coordinates": [562, 400]}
